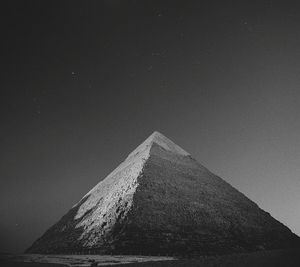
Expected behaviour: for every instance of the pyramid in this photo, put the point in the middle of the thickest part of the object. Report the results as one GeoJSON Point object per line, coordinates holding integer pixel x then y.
{"type": "Point", "coordinates": [161, 201]}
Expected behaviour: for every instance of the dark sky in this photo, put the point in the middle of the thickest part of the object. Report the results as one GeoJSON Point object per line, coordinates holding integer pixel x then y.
{"type": "Point", "coordinates": [83, 83]}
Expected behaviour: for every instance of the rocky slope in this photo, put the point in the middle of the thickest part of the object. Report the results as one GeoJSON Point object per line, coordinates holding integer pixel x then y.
{"type": "Point", "coordinates": [161, 201]}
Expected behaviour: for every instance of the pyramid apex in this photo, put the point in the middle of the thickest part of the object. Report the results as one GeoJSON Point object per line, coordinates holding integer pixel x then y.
{"type": "Point", "coordinates": [157, 134]}
{"type": "Point", "coordinates": [161, 140]}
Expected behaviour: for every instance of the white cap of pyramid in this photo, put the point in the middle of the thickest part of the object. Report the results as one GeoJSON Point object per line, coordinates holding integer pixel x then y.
{"type": "Point", "coordinates": [161, 140]}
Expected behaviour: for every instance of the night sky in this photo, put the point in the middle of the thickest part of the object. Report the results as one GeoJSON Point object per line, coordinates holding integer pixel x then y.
{"type": "Point", "coordinates": [83, 83]}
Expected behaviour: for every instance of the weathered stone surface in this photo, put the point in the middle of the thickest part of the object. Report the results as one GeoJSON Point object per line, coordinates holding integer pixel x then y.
{"type": "Point", "coordinates": [161, 201]}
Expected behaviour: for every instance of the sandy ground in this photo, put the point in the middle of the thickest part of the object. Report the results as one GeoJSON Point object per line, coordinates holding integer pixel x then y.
{"type": "Point", "coordinates": [77, 260]}
{"type": "Point", "coordinates": [275, 258]}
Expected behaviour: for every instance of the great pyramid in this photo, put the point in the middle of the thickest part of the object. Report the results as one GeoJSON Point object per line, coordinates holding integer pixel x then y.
{"type": "Point", "coordinates": [161, 201]}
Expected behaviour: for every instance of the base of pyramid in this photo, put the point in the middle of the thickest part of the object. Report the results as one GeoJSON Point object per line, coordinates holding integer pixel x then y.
{"type": "Point", "coordinates": [170, 244]}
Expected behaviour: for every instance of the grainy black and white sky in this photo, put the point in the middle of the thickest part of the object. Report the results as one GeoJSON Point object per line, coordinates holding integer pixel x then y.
{"type": "Point", "coordinates": [83, 83]}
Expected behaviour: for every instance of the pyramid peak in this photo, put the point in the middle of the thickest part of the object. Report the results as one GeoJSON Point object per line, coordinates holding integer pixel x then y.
{"type": "Point", "coordinates": [157, 134]}
{"type": "Point", "coordinates": [161, 140]}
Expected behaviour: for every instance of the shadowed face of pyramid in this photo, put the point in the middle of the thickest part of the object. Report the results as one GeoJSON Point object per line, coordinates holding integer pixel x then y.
{"type": "Point", "coordinates": [162, 201]}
